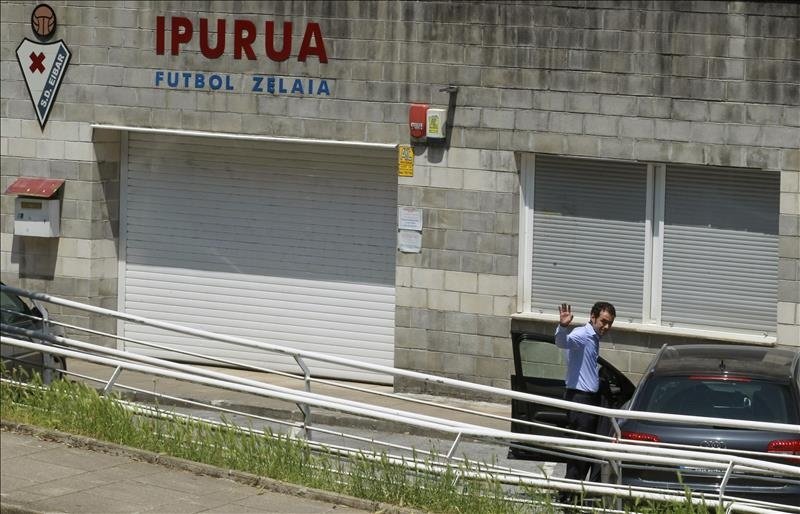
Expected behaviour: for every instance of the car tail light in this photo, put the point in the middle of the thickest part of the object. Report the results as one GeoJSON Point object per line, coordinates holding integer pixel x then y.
{"type": "Point", "coordinates": [641, 436]}
{"type": "Point", "coordinates": [786, 447]}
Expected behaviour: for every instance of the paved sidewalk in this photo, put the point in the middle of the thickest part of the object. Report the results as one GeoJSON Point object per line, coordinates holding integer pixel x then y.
{"type": "Point", "coordinates": [45, 471]}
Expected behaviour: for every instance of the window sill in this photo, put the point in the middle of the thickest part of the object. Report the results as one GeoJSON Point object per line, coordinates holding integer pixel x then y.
{"type": "Point", "coordinates": [645, 328]}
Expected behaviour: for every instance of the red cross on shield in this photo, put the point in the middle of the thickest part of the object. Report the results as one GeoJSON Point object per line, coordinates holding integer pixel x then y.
{"type": "Point", "coordinates": [37, 62]}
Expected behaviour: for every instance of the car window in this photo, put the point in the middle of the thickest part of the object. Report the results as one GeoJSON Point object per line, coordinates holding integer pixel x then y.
{"type": "Point", "coordinates": [744, 399]}
{"type": "Point", "coordinates": [541, 359]}
{"type": "Point", "coordinates": [12, 308]}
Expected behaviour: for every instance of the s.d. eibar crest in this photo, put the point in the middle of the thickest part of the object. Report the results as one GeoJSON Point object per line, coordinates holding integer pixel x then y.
{"type": "Point", "coordinates": [43, 65]}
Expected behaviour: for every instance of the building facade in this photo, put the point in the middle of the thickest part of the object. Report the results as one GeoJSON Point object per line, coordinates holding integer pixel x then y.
{"type": "Point", "coordinates": [244, 167]}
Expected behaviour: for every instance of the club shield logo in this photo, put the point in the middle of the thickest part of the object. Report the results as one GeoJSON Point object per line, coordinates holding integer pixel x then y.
{"type": "Point", "coordinates": [43, 65]}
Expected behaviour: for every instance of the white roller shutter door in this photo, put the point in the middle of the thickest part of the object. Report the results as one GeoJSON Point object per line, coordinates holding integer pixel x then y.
{"type": "Point", "coordinates": [588, 234]}
{"type": "Point", "coordinates": [721, 248]}
{"type": "Point", "coordinates": [285, 243]}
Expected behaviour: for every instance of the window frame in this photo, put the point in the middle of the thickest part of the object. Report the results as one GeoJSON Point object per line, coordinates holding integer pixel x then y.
{"type": "Point", "coordinates": [653, 267]}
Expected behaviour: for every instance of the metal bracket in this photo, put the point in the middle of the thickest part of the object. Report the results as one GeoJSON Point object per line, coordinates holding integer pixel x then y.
{"type": "Point", "coordinates": [111, 380]}
{"type": "Point", "coordinates": [453, 447]}
{"type": "Point", "coordinates": [452, 91]}
{"type": "Point", "coordinates": [724, 483]}
{"type": "Point", "coordinates": [617, 430]}
{"type": "Point", "coordinates": [305, 409]}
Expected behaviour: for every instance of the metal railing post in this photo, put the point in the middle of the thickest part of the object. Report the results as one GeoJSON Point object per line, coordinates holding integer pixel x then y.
{"type": "Point", "coordinates": [48, 361]}
{"type": "Point", "coordinates": [304, 407]}
{"type": "Point", "coordinates": [454, 445]}
{"type": "Point", "coordinates": [111, 380]}
{"type": "Point", "coordinates": [451, 452]}
{"type": "Point", "coordinates": [725, 478]}
{"type": "Point", "coordinates": [616, 464]}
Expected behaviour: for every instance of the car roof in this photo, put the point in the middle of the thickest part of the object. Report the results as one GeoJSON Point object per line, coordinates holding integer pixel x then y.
{"type": "Point", "coordinates": [751, 360]}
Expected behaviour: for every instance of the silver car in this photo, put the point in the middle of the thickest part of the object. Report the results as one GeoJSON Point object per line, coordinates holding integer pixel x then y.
{"type": "Point", "coordinates": [743, 382]}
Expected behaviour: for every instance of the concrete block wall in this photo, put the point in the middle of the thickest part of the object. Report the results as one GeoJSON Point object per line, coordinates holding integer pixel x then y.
{"type": "Point", "coordinates": [454, 298]}
{"type": "Point", "coordinates": [692, 83]}
{"type": "Point", "coordinates": [81, 264]}
{"type": "Point", "coordinates": [789, 250]}
{"type": "Point", "coordinates": [708, 83]}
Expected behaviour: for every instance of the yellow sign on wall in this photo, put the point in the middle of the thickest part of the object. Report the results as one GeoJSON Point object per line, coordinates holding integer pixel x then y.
{"type": "Point", "coordinates": [405, 161]}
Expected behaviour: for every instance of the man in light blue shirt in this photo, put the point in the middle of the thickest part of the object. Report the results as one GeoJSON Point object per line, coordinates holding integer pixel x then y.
{"type": "Point", "coordinates": [582, 347]}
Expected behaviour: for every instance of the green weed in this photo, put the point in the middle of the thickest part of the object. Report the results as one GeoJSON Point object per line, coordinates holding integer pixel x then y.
{"type": "Point", "coordinates": [74, 407]}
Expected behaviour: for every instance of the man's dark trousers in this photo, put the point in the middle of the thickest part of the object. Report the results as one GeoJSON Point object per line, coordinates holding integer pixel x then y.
{"type": "Point", "coordinates": [585, 422]}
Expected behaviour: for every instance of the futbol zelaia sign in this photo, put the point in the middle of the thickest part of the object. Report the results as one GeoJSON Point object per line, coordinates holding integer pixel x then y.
{"type": "Point", "coordinates": [248, 41]}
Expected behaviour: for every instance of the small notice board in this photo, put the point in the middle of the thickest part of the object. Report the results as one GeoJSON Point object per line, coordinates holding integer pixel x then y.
{"type": "Point", "coordinates": [405, 161]}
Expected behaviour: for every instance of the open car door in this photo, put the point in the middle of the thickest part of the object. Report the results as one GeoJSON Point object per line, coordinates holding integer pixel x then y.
{"type": "Point", "coordinates": [539, 368]}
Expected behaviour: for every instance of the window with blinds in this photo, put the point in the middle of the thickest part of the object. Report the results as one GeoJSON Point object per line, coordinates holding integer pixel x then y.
{"type": "Point", "coordinates": [720, 262]}
{"type": "Point", "coordinates": [588, 234]}
{"type": "Point", "coordinates": [670, 245]}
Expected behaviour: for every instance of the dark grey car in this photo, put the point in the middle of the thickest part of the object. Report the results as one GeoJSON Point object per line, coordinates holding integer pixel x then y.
{"type": "Point", "coordinates": [16, 313]}
{"type": "Point", "coordinates": [743, 382]}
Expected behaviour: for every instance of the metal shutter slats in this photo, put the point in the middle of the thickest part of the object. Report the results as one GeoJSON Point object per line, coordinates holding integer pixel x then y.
{"type": "Point", "coordinates": [285, 243]}
{"type": "Point", "coordinates": [720, 248]}
{"type": "Point", "coordinates": [588, 234]}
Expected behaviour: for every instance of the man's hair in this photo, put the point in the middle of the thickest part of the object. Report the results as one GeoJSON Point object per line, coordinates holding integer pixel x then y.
{"type": "Point", "coordinates": [603, 306]}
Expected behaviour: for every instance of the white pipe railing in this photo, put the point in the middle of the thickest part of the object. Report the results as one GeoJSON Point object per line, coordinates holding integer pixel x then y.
{"type": "Point", "coordinates": [397, 372]}
{"type": "Point", "coordinates": [309, 380]}
{"type": "Point", "coordinates": [622, 450]}
{"type": "Point", "coordinates": [608, 450]}
{"type": "Point", "coordinates": [278, 421]}
{"type": "Point", "coordinates": [518, 478]}
{"type": "Point", "coordinates": [229, 382]}
{"type": "Point", "coordinates": [514, 478]}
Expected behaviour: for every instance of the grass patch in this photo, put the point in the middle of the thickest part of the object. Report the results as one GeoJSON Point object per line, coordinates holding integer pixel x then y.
{"type": "Point", "coordinates": [75, 408]}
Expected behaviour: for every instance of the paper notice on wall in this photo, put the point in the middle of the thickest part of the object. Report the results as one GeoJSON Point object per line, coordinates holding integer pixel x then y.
{"type": "Point", "coordinates": [409, 218]}
{"type": "Point", "coordinates": [409, 241]}
{"type": "Point", "coordinates": [405, 161]}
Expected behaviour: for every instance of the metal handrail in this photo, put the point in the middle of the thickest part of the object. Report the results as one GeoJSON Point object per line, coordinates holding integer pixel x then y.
{"type": "Point", "coordinates": [617, 450]}
{"type": "Point", "coordinates": [190, 373]}
{"type": "Point", "coordinates": [513, 477]}
{"type": "Point", "coordinates": [397, 372]}
{"type": "Point", "coordinates": [729, 463]}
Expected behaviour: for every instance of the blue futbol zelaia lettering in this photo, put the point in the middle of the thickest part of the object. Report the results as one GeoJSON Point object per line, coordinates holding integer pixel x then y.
{"type": "Point", "coordinates": [280, 85]}
{"type": "Point", "coordinates": [258, 83]}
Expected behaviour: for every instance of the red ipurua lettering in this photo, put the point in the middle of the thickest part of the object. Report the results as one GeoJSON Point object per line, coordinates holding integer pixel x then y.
{"type": "Point", "coordinates": [181, 32]}
{"type": "Point", "coordinates": [207, 50]}
{"type": "Point", "coordinates": [269, 42]}
{"type": "Point", "coordinates": [312, 30]}
{"type": "Point", "coordinates": [245, 35]}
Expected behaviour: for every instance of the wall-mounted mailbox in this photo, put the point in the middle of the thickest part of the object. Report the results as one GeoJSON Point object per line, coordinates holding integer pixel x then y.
{"type": "Point", "coordinates": [37, 208]}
